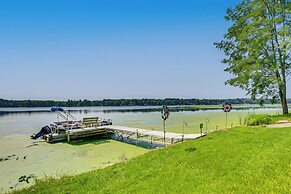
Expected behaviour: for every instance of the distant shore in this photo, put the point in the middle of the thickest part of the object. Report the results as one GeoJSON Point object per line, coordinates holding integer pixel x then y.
{"type": "Point", "coordinates": [131, 102]}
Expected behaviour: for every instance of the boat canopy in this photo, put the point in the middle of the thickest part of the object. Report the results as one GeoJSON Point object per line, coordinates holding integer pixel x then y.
{"type": "Point", "coordinates": [56, 108]}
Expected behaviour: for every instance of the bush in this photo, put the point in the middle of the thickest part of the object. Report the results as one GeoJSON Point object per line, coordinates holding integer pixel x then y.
{"type": "Point", "coordinates": [255, 120]}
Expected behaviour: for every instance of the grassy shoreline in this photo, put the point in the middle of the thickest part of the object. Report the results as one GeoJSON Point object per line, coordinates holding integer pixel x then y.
{"type": "Point", "coordinates": [240, 160]}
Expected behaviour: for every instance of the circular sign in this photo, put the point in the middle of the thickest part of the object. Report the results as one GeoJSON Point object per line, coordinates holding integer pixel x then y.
{"type": "Point", "coordinates": [165, 112]}
{"type": "Point", "coordinates": [227, 107]}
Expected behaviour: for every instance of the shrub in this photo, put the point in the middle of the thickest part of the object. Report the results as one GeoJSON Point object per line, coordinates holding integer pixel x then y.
{"type": "Point", "coordinates": [262, 119]}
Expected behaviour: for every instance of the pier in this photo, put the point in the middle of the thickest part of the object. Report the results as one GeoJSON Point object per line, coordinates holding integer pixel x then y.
{"type": "Point", "coordinates": [152, 135]}
{"type": "Point", "coordinates": [122, 133]}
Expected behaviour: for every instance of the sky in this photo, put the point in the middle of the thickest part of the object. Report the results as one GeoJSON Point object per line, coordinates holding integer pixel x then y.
{"type": "Point", "coordinates": [69, 49]}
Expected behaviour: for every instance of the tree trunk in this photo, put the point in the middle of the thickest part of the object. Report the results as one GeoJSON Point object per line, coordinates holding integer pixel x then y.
{"type": "Point", "coordinates": [283, 99]}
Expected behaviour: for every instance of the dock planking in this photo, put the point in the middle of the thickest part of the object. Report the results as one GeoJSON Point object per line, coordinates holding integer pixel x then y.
{"type": "Point", "coordinates": [123, 132]}
{"type": "Point", "coordinates": [148, 132]}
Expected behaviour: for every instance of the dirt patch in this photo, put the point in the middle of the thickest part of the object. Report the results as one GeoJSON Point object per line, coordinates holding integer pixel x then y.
{"type": "Point", "coordinates": [280, 125]}
{"type": "Point", "coordinates": [283, 121]}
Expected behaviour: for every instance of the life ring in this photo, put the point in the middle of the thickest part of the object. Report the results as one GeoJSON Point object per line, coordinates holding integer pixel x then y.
{"type": "Point", "coordinates": [165, 112]}
{"type": "Point", "coordinates": [226, 107]}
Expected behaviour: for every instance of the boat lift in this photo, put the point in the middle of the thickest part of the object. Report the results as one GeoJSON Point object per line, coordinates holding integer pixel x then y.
{"type": "Point", "coordinates": [69, 121]}
{"type": "Point", "coordinates": [60, 112]}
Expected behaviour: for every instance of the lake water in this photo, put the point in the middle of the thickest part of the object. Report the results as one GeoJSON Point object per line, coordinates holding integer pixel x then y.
{"type": "Point", "coordinates": [30, 120]}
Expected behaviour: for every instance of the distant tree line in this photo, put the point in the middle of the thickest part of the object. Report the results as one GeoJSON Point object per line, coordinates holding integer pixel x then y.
{"type": "Point", "coordinates": [125, 102]}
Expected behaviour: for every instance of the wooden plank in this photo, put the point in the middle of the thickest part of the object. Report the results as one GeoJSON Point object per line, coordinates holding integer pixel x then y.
{"type": "Point", "coordinates": [120, 131]}
{"type": "Point", "coordinates": [90, 122]}
{"type": "Point", "coordinates": [145, 132]}
{"type": "Point", "coordinates": [90, 119]}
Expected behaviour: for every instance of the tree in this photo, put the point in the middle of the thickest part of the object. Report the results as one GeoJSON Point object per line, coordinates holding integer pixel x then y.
{"type": "Point", "coordinates": [257, 48]}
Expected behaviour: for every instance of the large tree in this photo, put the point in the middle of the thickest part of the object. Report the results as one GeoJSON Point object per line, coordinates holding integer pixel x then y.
{"type": "Point", "coordinates": [257, 48]}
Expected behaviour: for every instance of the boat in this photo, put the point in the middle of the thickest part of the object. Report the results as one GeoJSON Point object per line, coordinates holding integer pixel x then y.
{"type": "Point", "coordinates": [67, 127]}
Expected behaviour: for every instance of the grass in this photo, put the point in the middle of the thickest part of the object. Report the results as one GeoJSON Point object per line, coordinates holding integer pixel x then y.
{"type": "Point", "coordinates": [265, 119]}
{"type": "Point", "coordinates": [259, 119]}
{"type": "Point", "coordinates": [239, 160]}
{"type": "Point", "coordinates": [281, 117]}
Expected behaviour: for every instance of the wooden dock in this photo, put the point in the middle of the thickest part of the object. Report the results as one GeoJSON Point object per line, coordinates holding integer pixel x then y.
{"type": "Point", "coordinates": [122, 133]}
{"type": "Point", "coordinates": [153, 135]}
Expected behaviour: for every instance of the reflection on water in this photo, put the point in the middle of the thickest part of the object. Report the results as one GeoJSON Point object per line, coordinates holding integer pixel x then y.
{"type": "Point", "coordinates": [30, 120]}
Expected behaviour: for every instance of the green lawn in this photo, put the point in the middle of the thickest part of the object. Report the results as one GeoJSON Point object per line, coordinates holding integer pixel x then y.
{"type": "Point", "coordinates": [281, 117]}
{"type": "Point", "coordinates": [240, 160]}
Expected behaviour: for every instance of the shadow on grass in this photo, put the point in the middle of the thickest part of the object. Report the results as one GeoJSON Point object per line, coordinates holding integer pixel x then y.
{"type": "Point", "coordinates": [192, 149]}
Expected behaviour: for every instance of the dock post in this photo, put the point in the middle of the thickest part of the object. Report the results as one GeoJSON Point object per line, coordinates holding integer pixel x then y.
{"type": "Point", "coordinates": [201, 129]}
{"type": "Point", "coordinates": [184, 123]}
{"type": "Point", "coordinates": [136, 137]}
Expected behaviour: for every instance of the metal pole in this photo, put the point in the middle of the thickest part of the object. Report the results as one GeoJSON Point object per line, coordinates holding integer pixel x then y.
{"type": "Point", "coordinates": [164, 122]}
{"type": "Point", "coordinates": [206, 123]}
{"type": "Point", "coordinates": [226, 120]}
{"type": "Point", "coordinates": [183, 130]}
{"type": "Point", "coordinates": [136, 137]}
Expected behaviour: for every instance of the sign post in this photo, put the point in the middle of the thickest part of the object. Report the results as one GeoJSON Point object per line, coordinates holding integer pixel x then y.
{"type": "Point", "coordinates": [184, 124]}
{"type": "Point", "coordinates": [226, 108]}
{"type": "Point", "coordinates": [201, 128]}
{"type": "Point", "coordinates": [165, 115]}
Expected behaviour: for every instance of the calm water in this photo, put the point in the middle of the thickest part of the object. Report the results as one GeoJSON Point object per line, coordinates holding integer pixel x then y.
{"type": "Point", "coordinates": [30, 120]}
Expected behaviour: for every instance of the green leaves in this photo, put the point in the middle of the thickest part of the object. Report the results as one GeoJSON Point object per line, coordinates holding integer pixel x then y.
{"type": "Point", "coordinates": [257, 46]}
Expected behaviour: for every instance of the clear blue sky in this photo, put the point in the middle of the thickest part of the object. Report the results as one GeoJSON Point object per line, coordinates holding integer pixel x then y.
{"type": "Point", "coordinates": [113, 49]}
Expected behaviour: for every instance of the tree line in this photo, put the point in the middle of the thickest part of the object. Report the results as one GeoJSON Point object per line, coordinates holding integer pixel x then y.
{"type": "Point", "coordinates": [126, 102]}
